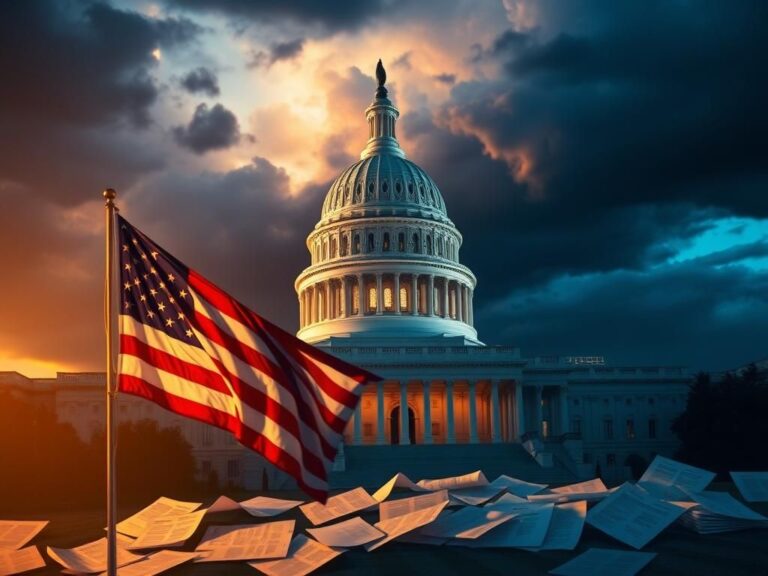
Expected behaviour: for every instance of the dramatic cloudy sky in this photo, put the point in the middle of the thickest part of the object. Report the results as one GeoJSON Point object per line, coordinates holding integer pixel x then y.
{"type": "Point", "coordinates": [605, 161]}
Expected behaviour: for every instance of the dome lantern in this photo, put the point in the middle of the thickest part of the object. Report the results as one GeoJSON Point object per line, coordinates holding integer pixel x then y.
{"type": "Point", "coordinates": [382, 116]}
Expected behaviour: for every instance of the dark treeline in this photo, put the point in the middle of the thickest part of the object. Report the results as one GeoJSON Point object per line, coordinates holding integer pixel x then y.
{"type": "Point", "coordinates": [725, 425]}
{"type": "Point", "coordinates": [45, 465]}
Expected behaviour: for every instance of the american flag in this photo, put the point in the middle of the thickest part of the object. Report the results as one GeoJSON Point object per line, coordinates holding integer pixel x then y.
{"type": "Point", "coordinates": [188, 346]}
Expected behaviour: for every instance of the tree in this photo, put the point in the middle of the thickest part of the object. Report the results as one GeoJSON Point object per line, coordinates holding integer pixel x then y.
{"type": "Point", "coordinates": [724, 426]}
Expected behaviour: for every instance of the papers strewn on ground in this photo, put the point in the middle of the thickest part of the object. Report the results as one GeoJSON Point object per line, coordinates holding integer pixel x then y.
{"type": "Point", "coordinates": [346, 534]}
{"type": "Point", "coordinates": [246, 542]}
{"type": "Point", "coordinates": [565, 527]}
{"type": "Point", "coordinates": [168, 531]}
{"type": "Point", "coordinates": [399, 525]}
{"type": "Point", "coordinates": [527, 529]}
{"type": "Point", "coordinates": [476, 496]}
{"type": "Point", "coordinates": [18, 561]}
{"type": "Point", "coordinates": [393, 508]}
{"type": "Point", "coordinates": [467, 523]}
{"type": "Point", "coordinates": [15, 533]}
{"type": "Point", "coordinates": [470, 480]}
{"type": "Point", "coordinates": [588, 487]}
{"type": "Point", "coordinates": [715, 512]}
{"type": "Point", "coordinates": [591, 491]}
{"type": "Point", "coordinates": [156, 563]}
{"type": "Point", "coordinates": [633, 516]}
{"type": "Point", "coordinates": [337, 506]}
{"type": "Point", "coordinates": [671, 480]}
{"type": "Point", "coordinates": [517, 487]}
{"type": "Point", "coordinates": [399, 480]}
{"type": "Point", "coordinates": [753, 486]}
{"type": "Point", "coordinates": [222, 504]}
{"type": "Point", "coordinates": [304, 556]}
{"type": "Point", "coordinates": [90, 558]}
{"type": "Point", "coordinates": [605, 562]}
{"type": "Point", "coordinates": [136, 524]}
{"type": "Point", "coordinates": [265, 507]}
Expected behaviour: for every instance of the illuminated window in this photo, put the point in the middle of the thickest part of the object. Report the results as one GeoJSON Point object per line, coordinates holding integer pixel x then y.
{"type": "Point", "coordinates": [372, 299]}
{"type": "Point", "coordinates": [388, 304]}
{"type": "Point", "coordinates": [355, 300]}
{"type": "Point", "coordinates": [385, 242]}
{"type": "Point", "coordinates": [403, 298]}
{"type": "Point", "coordinates": [356, 244]}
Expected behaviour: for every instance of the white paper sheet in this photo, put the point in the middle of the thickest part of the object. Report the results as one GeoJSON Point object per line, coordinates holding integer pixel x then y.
{"type": "Point", "coordinates": [156, 563]}
{"type": "Point", "coordinates": [393, 508]}
{"type": "Point", "coordinates": [265, 507]}
{"type": "Point", "coordinates": [525, 530]}
{"type": "Point", "coordinates": [565, 527]}
{"type": "Point", "coordinates": [633, 516]}
{"type": "Point", "coordinates": [168, 531]}
{"type": "Point", "coordinates": [346, 534]}
{"type": "Point", "coordinates": [222, 504]}
{"type": "Point", "coordinates": [15, 533]}
{"type": "Point", "coordinates": [18, 561]}
{"type": "Point", "coordinates": [246, 542]}
{"type": "Point", "coordinates": [467, 523]}
{"type": "Point", "coordinates": [476, 496]}
{"type": "Point", "coordinates": [724, 504]}
{"type": "Point", "coordinates": [90, 558]}
{"type": "Point", "coordinates": [753, 486]}
{"type": "Point", "coordinates": [304, 556]}
{"type": "Point", "coordinates": [517, 487]}
{"type": "Point", "coordinates": [669, 480]}
{"type": "Point", "coordinates": [605, 562]}
{"type": "Point", "coordinates": [399, 480]}
{"type": "Point", "coordinates": [470, 480]}
{"type": "Point", "coordinates": [594, 485]}
{"type": "Point", "coordinates": [399, 525]}
{"type": "Point", "coordinates": [136, 524]}
{"type": "Point", "coordinates": [337, 506]}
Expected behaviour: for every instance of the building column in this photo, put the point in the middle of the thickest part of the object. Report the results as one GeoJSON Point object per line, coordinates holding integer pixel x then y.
{"type": "Point", "coordinates": [302, 309]}
{"type": "Point", "coordinates": [459, 307]}
{"type": "Point", "coordinates": [360, 295]}
{"type": "Point", "coordinates": [414, 294]}
{"type": "Point", "coordinates": [495, 412]}
{"type": "Point", "coordinates": [473, 439]}
{"type": "Point", "coordinates": [471, 307]}
{"type": "Point", "coordinates": [450, 437]}
{"type": "Point", "coordinates": [404, 432]}
{"type": "Point", "coordinates": [328, 307]}
{"type": "Point", "coordinates": [427, 413]}
{"type": "Point", "coordinates": [344, 300]}
{"type": "Point", "coordinates": [564, 426]}
{"type": "Point", "coordinates": [396, 284]}
{"type": "Point", "coordinates": [539, 390]}
{"type": "Point", "coordinates": [431, 295]}
{"type": "Point", "coordinates": [519, 410]}
{"type": "Point", "coordinates": [445, 310]}
{"type": "Point", "coordinates": [379, 295]}
{"type": "Point", "coordinates": [380, 438]}
{"type": "Point", "coordinates": [358, 439]}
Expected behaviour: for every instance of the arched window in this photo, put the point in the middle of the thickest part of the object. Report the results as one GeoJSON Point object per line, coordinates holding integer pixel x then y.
{"type": "Point", "coordinates": [333, 247]}
{"type": "Point", "coordinates": [344, 245]}
{"type": "Point", "coordinates": [401, 242]}
{"type": "Point", "coordinates": [372, 299]}
{"type": "Point", "coordinates": [416, 243]}
{"type": "Point", "coordinates": [429, 244]}
{"type": "Point", "coordinates": [385, 242]}
{"type": "Point", "coordinates": [403, 298]}
{"type": "Point", "coordinates": [325, 249]}
{"type": "Point", "coordinates": [388, 303]}
{"type": "Point", "coordinates": [371, 243]}
{"type": "Point", "coordinates": [440, 246]}
{"type": "Point", "coordinates": [356, 244]}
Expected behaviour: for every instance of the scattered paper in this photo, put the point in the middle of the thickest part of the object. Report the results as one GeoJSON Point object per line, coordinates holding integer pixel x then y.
{"type": "Point", "coordinates": [15, 533]}
{"type": "Point", "coordinates": [265, 507]}
{"type": "Point", "coordinates": [527, 529]}
{"type": "Point", "coordinates": [337, 506]}
{"type": "Point", "coordinates": [155, 564]}
{"type": "Point", "coordinates": [304, 556]}
{"type": "Point", "coordinates": [246, 542]}
{"type": "Point", "coordinates": [18, 561]}
{"type": "Point", "coordinates": [633, 516]}
{"type": "Point", "coordinates": [753, 486]}
{"type": "Point", "coordinates": [222, 504]}
{"type": "Point", "coordinates": [605, 562]}
{"type": "Point", "coordinates": [565, 527]}
{"type": "Point", "coordinates": [670, 480]}
{"type": "Point", "coordinates": [591, 491]}
{"type": "Point", "coordinates": [455, 482]}
{"type": "Point", "coordinates": [90, 558]}
{"type": "Point", "coordinates": [393, 508]}
{"type": "Point", "coordinates": [476, 496]}
{"type": "Point", "coordinates": [517, 487]}
{"type": "Point", "coordinates": [136, 524]}
{"type": "Point", "coordinates": [716, 512]}
{"type": "Point", "coordinates": [346, 534]}
{"type": "Point", "coordinates": [399, 525]}
{"type": "Point", "coordinates": [467, 523]}
{"type": "Point", "coordinates": [594, 485]}
{"type": "Point", "coordinates": [399, 480]}
{"type": "Point", "coordinates": [168, 531]}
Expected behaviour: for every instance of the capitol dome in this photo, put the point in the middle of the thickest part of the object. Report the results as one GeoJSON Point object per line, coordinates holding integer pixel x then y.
{"type": "Point", "coordinates": [385, 255]}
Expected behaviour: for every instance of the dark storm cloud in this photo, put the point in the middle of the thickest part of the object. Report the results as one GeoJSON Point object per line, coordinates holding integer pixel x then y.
{"type": "Point", "coordinates": [210, 129]}
{"type": "Point", "coordinates": [201, 80]}
{"type": "Point", "coordinates": [277, 52]}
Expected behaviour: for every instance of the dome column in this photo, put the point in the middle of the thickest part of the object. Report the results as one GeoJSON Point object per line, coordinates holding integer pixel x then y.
{"type": "Point", "coordinates": [414, 294]}
{"type": "Point", "coordinates": [459, 295]}
{"type": "Point", "coordinates": [327, 311]}
{"type": "Point", "coordinates": [471, 318]}
{"type": "Point", "coordinates": [445, 311]}
{"type": "Point", "coordinates": [396, 284]}
{"type": "Point", "coordinates": [431, 295]}
{"type": "Point", "coordinates": [343, 299]}
{"type": "Point", "coordinates": [379, 296]}
{"type": "Point", "coordinates": [360, 294]}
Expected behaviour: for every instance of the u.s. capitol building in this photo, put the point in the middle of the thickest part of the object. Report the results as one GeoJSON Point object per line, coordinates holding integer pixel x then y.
{"type": "Point", "coordinates": [386, 290]}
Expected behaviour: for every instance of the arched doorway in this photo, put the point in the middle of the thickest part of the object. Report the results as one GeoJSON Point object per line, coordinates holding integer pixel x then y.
{"type": "Point", "coordinates": [394, 426]}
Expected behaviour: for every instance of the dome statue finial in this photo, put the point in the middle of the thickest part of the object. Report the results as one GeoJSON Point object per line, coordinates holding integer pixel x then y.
{"type": "Point", "coordinates": [381, 76]}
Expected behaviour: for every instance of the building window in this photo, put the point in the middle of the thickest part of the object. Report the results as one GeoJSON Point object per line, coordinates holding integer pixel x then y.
{"type": "Point", "coordinates": [385, 242]}
{"type": "Point", "coordinates": [429, 244]}
{"type": "Point", "coordinates": [610, 459]}
{"type": "Point", "coordinates": [401, 242]}
{"type": "Point", "coordinates": [344, 245]}
{"type": "Point", "coordinates": [545, 428]}
{"type": "Point", "coordinates": [652, 428]}
{"type": "Point", "coordinates": [608, 429]}
{"type": "Point", "coordinates": [440, 246]}
{"type": "Point", "coordinates": [207, 435]}
{"type": "Point", "coordinates": [371, 244]}
{"type": "Point", "coordinates": [333, 247]}
{"type": "Point", "coordinates": [355, 300]}
{"type": "Point", "coordinates": [630, 429]}
{"type": "Point", "coordinates": [388, 304]}
{"type": "Point", "coordinates": [416, 244]}
{"type": "Point", "coordinates": [356, 244]}
{"type": "Point", "coordinates": [233, 469]}
{"type": "Point", "coordinates": [403, 298]}
{"type": "Point", "coordinates": [576, 426]}
{"type": "Point", "coordinates": [372, 299]}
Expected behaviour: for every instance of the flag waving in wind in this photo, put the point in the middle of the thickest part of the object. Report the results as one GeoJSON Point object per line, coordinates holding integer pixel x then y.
{"type": "Point", "coordinates": [188, 346]}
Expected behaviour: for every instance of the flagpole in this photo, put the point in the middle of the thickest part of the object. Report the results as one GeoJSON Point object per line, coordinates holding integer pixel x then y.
{"type": "Point", "coordinates": [110, 209]}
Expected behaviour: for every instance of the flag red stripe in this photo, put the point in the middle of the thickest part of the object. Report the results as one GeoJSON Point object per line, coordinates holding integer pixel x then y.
{"type": "Point", "coordinates": [248, 437]}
